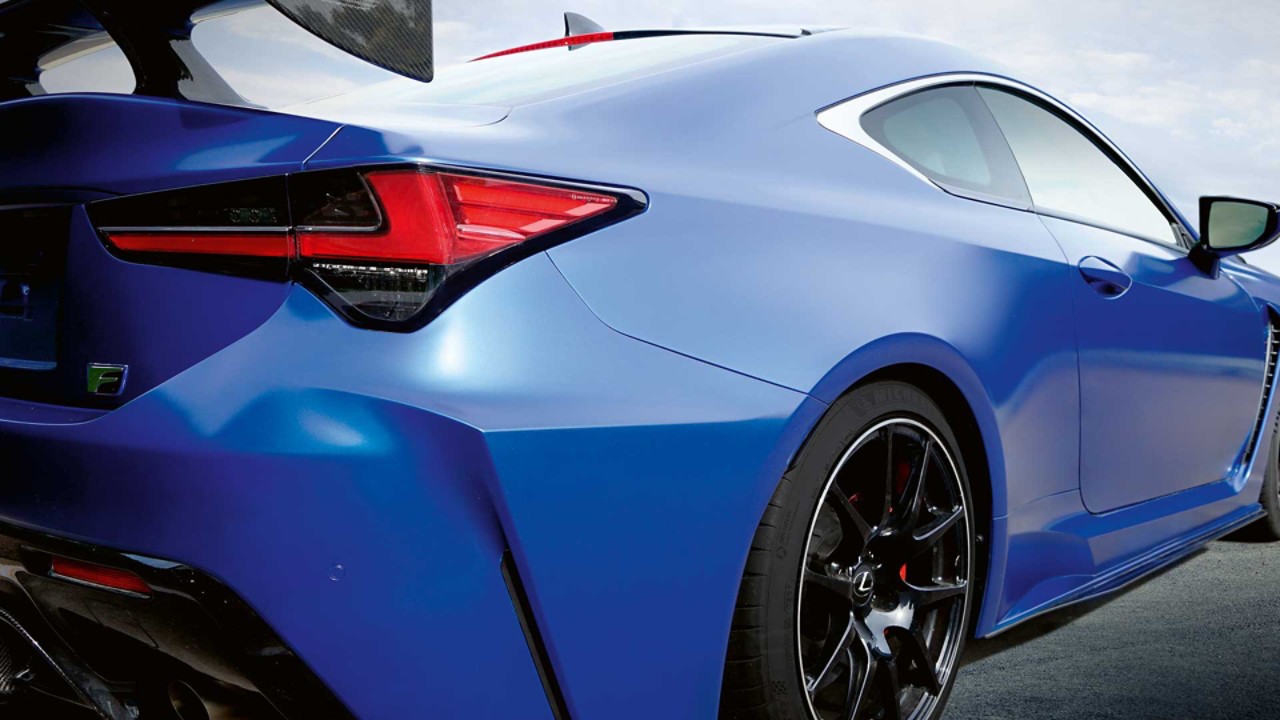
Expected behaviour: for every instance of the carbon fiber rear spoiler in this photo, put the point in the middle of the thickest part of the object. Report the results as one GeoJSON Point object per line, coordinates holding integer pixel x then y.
{"type": "Point", "coordinates": [156, 39]}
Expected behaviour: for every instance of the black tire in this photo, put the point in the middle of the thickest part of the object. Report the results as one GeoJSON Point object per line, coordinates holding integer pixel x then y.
{"type": "Point", "coordinates": [764, 677]}
{"type": "Point", "coordinates": [1267, 529]}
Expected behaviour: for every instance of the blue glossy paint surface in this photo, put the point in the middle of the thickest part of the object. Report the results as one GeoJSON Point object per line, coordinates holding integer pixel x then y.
{"type": "Point", "coordinates": [1176, 345]}
{"type": "Point", "coordinates": [617, 411]}
{"type": "Point", "coordinates": [124, 144]}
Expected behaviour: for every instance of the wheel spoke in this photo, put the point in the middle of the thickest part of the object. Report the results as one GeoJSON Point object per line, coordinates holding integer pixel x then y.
{"type": "Point", "coordinates": [851, 682]}
{"type": "Point", "coordinates": [833, 648]}
{"type": "Point", "coordinates": [850, 518]}
{"type": "Point", "coordinates": [913, 493]}
{"type": "Point", "coordinates": [925, 537]}
{"type": "Point", "coordinates": [934, 594]}
{"type": "Point", "coordinates": [890, 687]}
{"type": "Point", "coordinates": [837, 588]}
{"type": "Point", "coordinates": [888, 477]}
{"type": "Point", "coordinates": [860, 686]}
{"type": "Point", "coordinates": [913, 646]}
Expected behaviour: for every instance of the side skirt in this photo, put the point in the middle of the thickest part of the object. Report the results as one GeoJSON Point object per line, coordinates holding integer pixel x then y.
{"type": "Point", "coordinates": [1124, 575]}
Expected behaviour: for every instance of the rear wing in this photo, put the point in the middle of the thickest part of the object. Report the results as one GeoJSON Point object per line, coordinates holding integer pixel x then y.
{"type": "Point", "coordinates": [156, 39]}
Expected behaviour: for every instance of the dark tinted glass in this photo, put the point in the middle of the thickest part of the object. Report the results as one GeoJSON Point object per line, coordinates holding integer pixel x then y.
{"type": "Point", "coordinates": [1069, 174]}
{"type": "Point", "coordinates": [337, 198]}
{"type": "Point", "coordinates": [257, 203]}
{"type": "Point", "coordinates": [949, 136]}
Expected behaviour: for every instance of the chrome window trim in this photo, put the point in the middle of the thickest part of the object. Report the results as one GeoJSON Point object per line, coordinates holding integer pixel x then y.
{"type": "Point", "coordinates": [845, 119]}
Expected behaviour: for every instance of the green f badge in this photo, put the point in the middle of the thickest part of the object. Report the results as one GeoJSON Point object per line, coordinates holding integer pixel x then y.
{"type": "Point", "coordinates": [107, 379]}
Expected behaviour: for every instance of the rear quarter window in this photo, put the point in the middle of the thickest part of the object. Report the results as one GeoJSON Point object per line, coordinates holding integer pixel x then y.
{"type": "Point", "coordinates": [948, 135]}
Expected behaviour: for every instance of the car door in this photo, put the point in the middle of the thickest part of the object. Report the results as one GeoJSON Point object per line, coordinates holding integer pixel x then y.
{"type": "Point", "coordinates": [1171, 359]}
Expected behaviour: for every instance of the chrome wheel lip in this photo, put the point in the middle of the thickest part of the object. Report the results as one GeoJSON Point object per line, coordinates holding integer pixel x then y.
{"type": "Point", "coordinates": [949, 649]}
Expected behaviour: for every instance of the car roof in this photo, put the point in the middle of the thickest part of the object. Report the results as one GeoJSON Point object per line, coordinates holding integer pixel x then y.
{"type": "Point", "coordinates": [531, 75]}
{"type": "Point", "coordinates": [762, 75]}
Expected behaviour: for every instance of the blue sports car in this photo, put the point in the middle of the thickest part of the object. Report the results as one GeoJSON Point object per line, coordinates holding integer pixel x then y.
{"type": "Point", "coordinates": [634, 374]}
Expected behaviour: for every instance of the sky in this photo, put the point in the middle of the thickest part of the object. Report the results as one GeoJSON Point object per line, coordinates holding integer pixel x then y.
{"type": "Point", "coordinates": [1190, 89]}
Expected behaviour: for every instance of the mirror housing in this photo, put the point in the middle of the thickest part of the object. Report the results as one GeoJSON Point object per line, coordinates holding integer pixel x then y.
{"type": "Point", "coordinates": [1231, 226]}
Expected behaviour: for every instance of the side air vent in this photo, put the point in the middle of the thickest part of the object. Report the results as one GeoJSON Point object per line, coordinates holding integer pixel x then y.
{"type": "Point", "coordinates": [1273, 354]}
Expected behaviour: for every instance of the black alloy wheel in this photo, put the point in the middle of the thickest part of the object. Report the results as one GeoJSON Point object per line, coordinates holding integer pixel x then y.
{"type": "Point", "coordinates": [874, 526]}
{"type": "Point", "coordinates": [879, 601]}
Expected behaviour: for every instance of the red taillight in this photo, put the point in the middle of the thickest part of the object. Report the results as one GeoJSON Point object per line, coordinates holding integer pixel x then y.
{"type": "Point", "coordinates": [376, 244]}
{"type": "Point", "coordinates": [444, 218]}
{"type": "Point", "coordinates": [245, 244]}
{"type": "Point", "coordinates": [491, 213]}
{"type": "Point", "coordinates": [99, 576]}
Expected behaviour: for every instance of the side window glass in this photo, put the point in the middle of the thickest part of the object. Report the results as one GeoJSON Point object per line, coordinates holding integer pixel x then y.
{"type": "Point", "coordinates": [948, 135]}
{"type": "Point", "coordinates": [1068, 174]}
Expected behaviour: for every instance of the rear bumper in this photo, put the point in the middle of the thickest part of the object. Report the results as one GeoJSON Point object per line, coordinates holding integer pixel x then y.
{"type": "Point", "coordinates": [359, 528]}
{"type": "Point", "coordinates": [358, 490]}
{"type": "Point", "coordinates": [117, 651]}
{"type": "Point", "coordinates": [376, 564]}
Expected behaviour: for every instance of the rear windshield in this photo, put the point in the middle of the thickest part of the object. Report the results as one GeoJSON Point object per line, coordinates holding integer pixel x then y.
{"type": "Point", "coordinates": [525, 77]}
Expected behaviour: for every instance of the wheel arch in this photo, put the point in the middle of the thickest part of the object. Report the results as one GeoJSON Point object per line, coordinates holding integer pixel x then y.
{"type": "Point", "coordinates": [943, 373]}
{"type": "Point", "coordinates": [964, 416]}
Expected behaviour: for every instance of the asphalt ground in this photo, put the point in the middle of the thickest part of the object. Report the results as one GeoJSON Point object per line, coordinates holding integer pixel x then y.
{"type": "Point", "coordinates": [1197, 642]}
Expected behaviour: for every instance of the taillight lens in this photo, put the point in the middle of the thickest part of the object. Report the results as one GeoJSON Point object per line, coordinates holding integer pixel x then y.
{"type": "Point", "coordinates": [443, 219]}
{"type": "Point", "coordinates": [191, 242]}
{"type": "Point", "coordinates": [378, 244]}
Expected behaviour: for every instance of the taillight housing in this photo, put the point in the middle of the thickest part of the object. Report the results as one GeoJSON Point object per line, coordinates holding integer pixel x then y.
{"type": "Point", "coordinates": [388, 247]}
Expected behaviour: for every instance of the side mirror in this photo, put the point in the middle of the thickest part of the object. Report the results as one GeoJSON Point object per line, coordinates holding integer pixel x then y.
{"type": "Point", "coordinates": [1230, 226]}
